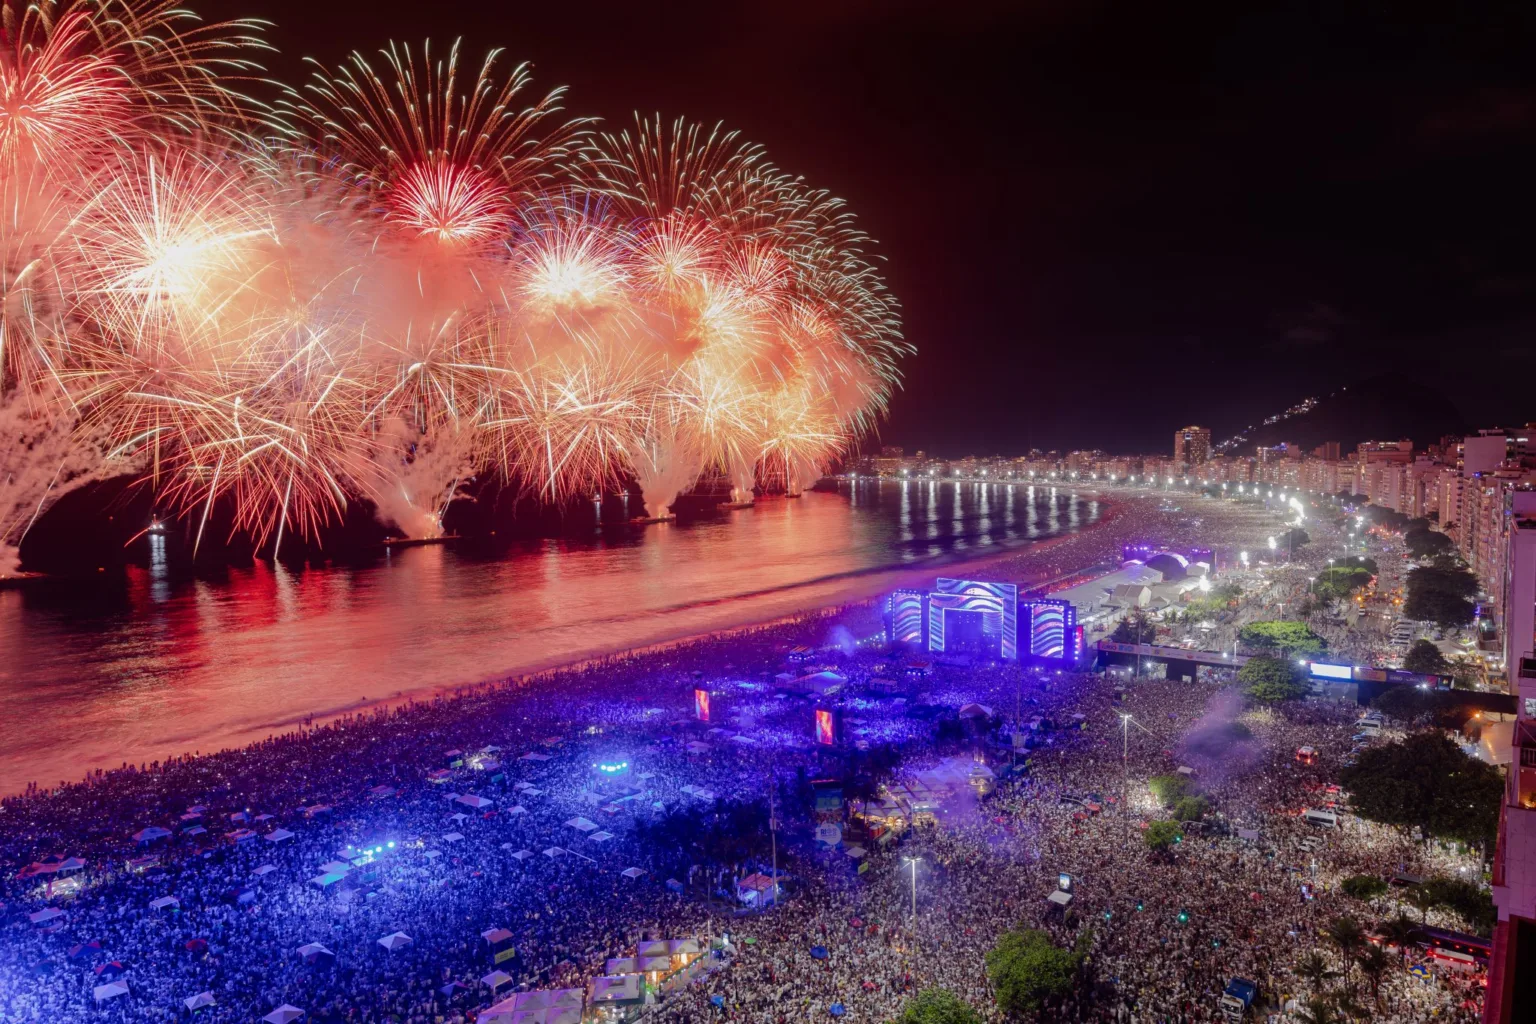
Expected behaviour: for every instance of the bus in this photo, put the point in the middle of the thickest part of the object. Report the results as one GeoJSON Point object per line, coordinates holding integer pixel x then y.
{"type": "Point", "coordinates": [1454, 948]}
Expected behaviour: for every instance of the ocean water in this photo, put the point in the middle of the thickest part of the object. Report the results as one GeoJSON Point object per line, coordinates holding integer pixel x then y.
{"type": "Point", "coordinates": [155, 664]}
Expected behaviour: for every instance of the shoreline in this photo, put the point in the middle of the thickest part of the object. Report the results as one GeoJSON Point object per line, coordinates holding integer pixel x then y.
{"type": "Point", "coordinates": [857, 590]}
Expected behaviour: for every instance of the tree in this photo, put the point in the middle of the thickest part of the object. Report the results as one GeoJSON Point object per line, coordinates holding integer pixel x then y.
{"type": "Point", "coordinates": [1295, 537]}
{"type": "Point", "coordinates": [1425, 781]}
{"type": "Point", "coordinates": [1437, 606]}
{"type": "Point", "coordinates": [1374, 963]}
{"type": "Point", "coordinates": [1160, 835]}
{"type": "Point", "coordinates": [1425, 657]}
{"type": "Point", "coordinates": [1314, 970]}
{"type": "Point", "coordinates": [1441, 595]}
{"type": "Point", "coordinates": [1339, 582]}
{"type": "Point", "coordinates": [1424, 542]}
{"type": "Point", "coordinates": [1191, 808]}
{"type": "Point", "coordinates": [1318, 1010]}
{"type": "Point", "coordinates": [1363, 887]}
{"type": "Point", "coordinates": [1290, 639]}
{"type": "Point", "coordinates": [1270, 679]}
{"type": "Point", "coordinates": [1169, 789]}
{"type": "Point", "coordinates": [1026, 969]}
{"type": "Point", "coordinates": [938, 1006]}
{"type": "Point", "coordinates": [1402, 702]}
{"type": "Point", "coordinates": [1345, 933]}
{"type": "Point", "coordinates": [1134, 628]}
{"type": "Point", "coordinates": [1468, 900]}
{"type": "Point", "coordinates": [1398, 931]}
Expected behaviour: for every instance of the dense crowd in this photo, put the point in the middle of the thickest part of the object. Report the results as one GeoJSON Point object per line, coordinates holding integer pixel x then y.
{"type": "Point", "coordinates": [470, 802]}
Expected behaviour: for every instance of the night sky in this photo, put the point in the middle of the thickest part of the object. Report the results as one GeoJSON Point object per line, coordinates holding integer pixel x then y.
{"type": "Point", "coordinates": [1103, 221]}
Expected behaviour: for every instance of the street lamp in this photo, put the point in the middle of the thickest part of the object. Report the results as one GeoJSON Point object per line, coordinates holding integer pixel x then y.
{"type": "Point", "coordinates": [913, 861]}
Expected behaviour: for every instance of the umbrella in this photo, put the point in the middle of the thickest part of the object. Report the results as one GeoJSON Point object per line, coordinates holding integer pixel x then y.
{"type": "Point", "coordinates": [837, 1009]}
{"type": "Point", "coordinates": [452, 987]}
{"type": "Point", "coordinates": [395, 940]}
{"type": "Point", "coordinates": [85, 950]}
{"type": "Point", "coordinates": [109, 970]}
{"type": "Point", "coordinates": [197, 945]}
{"type": "Point", "coordinates": [285, 1014]}
{"type": "Point", "coordinates": [819, 953]}
{"type": "Point", "coordinates": [198, 1001]}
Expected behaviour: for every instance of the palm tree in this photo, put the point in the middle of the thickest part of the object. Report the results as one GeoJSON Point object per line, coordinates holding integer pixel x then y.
{"type": "Point", "coordinates": [1318, 1010]}
{"type": "Point", "coordinates": [1314, 970]}
{"type": "Point", "coordinates": [1398, 932]}
{"type": "Point", "coordinates": [1374, 963]}
{"type": "Point", "coordinates": [1345, 932]}
{"type": "Point", "coordinates": [1421, 900]}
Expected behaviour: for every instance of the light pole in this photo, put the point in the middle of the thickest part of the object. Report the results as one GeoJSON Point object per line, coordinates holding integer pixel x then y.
{"type": "Point", "coordinates": [913, 861]}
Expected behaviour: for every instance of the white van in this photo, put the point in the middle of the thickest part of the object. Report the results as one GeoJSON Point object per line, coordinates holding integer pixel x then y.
{"type": "Point", "coordinates": [1322, 819]}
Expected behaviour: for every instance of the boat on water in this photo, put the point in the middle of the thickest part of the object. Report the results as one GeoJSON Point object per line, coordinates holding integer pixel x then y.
{"type": "Point", "coordinates": [416, 542]}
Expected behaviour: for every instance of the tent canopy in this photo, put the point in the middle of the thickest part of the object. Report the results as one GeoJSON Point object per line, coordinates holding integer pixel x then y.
{"type": "Point", "coordinates": [199, 1001]}
{"type": "Point", "coordinates": [285, 1014]}
{"type": "Point", "coordinates": [111, 990]}
{"type": "Point", "coordinates": [395, 940]}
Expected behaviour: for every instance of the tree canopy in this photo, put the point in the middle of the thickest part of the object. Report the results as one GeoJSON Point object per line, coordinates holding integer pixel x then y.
{"type": "Point", "coordinates": [1026, 969]}
{"type": "Point", "coordinates": [1134, 628]}
{"type": "Point", "coordinates": [1441, 595]}
{"type": "Point", "coordinates": [1425, 781]}
{"type": "Point", "coordinates": [1424, 542]}
{"type": "Point", "coordinates": [1162, 834]}
{"type": "Point", "coordinates": [1425, 657]}
{"type": "Point", "coordinates": [1364, 887]}
{"type": "Point", "coordinates": [938, 1006]}
{"type": "Point", "coordinates": [1271, 680]}
{"type": "Point", "coordinates": [1339, 581]}
{"type": "Point", "coordinates": [1170, 789]}
{"type": "Point", "coordinates": [1290, 639]}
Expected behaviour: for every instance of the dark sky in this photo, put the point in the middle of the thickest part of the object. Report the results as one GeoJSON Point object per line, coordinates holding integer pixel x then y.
{"type": "Point", "coordinates": [1103, 220]}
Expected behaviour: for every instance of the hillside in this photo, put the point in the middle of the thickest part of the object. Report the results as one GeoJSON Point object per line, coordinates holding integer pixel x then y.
{"type": "Point", "coordinates": [1381, 408]}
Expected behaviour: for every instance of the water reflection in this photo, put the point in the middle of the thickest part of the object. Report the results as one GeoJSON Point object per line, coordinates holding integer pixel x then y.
{"type": "Point", "coordinates": [162, 664]}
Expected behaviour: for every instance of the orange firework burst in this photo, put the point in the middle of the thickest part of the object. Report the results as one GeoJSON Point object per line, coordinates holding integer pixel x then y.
{"type": "Point", "coordinates": [447, 165]}
{"type": "Point", "coordinates": [425, 279]}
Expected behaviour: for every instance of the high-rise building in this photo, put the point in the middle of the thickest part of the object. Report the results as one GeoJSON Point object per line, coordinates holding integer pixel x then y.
{"type": "Point", "coordinates": [1514, 857]}
{"type": "Point", "coordinates": [1192, 445]}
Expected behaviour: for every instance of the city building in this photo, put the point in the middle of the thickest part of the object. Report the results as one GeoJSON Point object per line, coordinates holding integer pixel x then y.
{"type": "Point", "coordinates": [1192, 445]}
{"type": "Point", "coordinates": [1514, 858]}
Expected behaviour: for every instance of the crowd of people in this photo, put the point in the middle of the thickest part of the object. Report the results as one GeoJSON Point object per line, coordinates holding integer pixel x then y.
{"type": "Point", "coordinates": [590, 809]}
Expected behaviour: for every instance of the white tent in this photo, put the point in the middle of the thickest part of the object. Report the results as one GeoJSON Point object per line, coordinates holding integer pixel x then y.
{"type": "Point", "coordinates": [395, 940]}
{"type": "Point", "coordinates": [515, 810]}
{"type": "Point", "coordinates": [1061, 899]}
{"type": "Point", "coordinates": [265, 869]}
{"type": "Point", "coordinates": [582, 824]}
{"type": "Point", "coordinates": [453, 837]}
{"type": "Point", "coordinates": [616, 989]}
{"type": "Point", "coordinates": [477, 802]}
{"type": "Point", "coordinates": [522, 854]}
{"type": "Point", "coordinates": [198, 1001]}
{"type": "Point", "coordinates": [553, 852]}
{"type": "Point", "coordinates": [534, 756]}
{"type": "Point", "coordinates": [600, 837]}
{"type": "Point", "coordinates": [285, 1014]}
{"type": "Point", "coordinates": [533, 791]}
{"type": "Point", "coordinates": [340, 867]}
{"type": "Point", "coordinates": [150, 834]}
{"type": "Point", "coordinates": [44, 916]}
{"type": "Point", "coordinates": [277, 836]}
{"type": "Point", "coordinates": [632, 872]}
{"type": "Point", "coordinates": [622, 965]}
{"type": "Point", "coordinates": [495, 980]}
{"type": "Point", "coordinates": [458, 818]}
{"type": "Point", "coordinates": [163, 902]}
{"type": "Point", "coordinates": [310, 949]}
{"type": "Point", "coordinates": [326, 880]}
{"type": "Point", "coordinates": [111, 990]}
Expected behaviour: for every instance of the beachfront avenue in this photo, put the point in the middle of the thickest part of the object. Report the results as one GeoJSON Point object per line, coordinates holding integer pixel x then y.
{"type": "Point", "coordinates": [607, 842]}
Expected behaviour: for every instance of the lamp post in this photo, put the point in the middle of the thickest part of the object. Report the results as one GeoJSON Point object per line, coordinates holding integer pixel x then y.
{"type": "Point", "coordinates": [913, 862]}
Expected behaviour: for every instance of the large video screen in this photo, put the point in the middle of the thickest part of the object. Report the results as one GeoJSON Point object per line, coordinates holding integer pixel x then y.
{"type": "Point", "coordinates": [905, 624]}
{"type": "Point", "coordinates": [1052, 629]}
{"type": "Point", "coordinates": [998, 604]}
